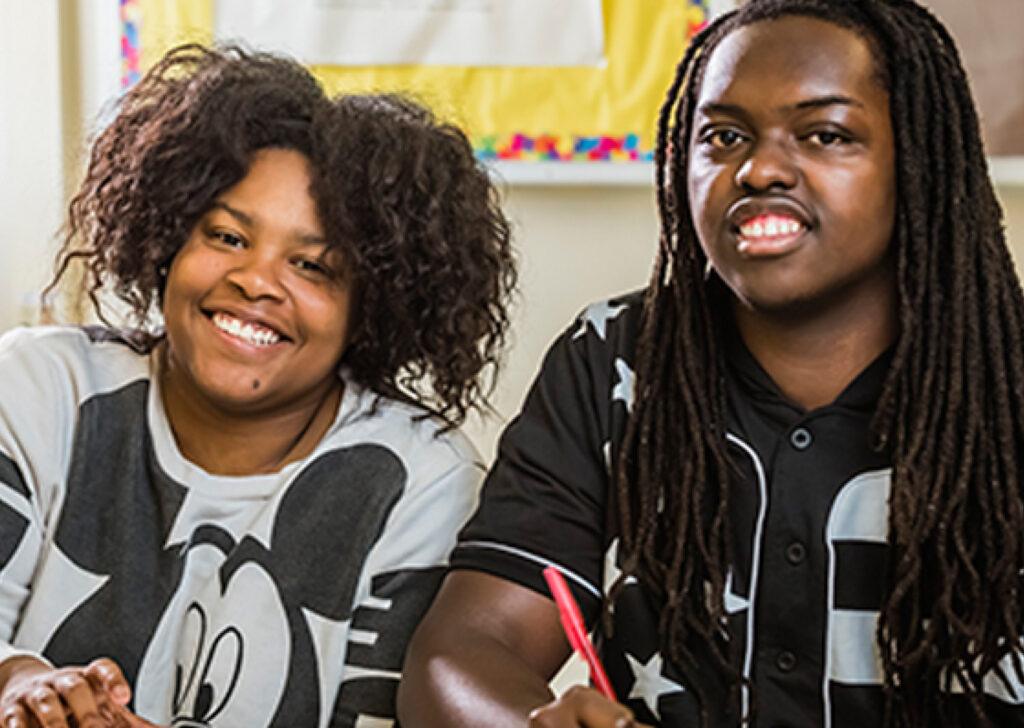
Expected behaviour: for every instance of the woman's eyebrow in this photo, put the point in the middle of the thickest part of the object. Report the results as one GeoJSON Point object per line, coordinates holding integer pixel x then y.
{"type": "Point", "coordinates": [306, 238]}
{"type": "Point", "coordinates": [242, 217]}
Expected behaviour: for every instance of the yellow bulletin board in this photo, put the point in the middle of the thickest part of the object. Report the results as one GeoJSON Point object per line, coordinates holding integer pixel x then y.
{"type": "Point", "coordinates": [605, 115]}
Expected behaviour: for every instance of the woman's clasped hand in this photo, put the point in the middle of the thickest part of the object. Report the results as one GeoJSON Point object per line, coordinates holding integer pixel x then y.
{"type": "Point", "coordinates": [89, 696]}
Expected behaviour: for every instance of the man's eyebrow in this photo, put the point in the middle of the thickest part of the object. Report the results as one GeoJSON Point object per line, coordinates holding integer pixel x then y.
{"type": "Point", "coordinates": [249, 221]}
{"type": "Point", "coordinates": [714, 107]}
{"type": "Point", "coordinates": [822, 101]}
{"type": "Point", "coordinates": [818, 102]}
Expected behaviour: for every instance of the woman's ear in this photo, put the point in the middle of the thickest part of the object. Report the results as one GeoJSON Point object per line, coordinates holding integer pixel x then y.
{"type": "Point", "coordinates": [162, 271]}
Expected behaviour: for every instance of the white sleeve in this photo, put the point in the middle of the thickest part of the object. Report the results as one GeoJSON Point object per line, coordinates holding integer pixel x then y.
{"type": "Point", "coordinates": [37, 405]}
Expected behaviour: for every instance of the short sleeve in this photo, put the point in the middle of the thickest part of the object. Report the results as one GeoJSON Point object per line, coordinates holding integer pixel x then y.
{"type": "Point", "coordinates": [544, 501]}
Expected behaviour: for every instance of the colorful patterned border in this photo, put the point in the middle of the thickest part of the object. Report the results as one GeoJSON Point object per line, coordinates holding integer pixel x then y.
{"type": "Point", "coordinates": [696, 17]}
{"type": "Point", "coordinates": [131, 16]}
{"type": "Point", "coordinates": [512, 147]}
{"type": "Point", "coordinates": [547, 148]}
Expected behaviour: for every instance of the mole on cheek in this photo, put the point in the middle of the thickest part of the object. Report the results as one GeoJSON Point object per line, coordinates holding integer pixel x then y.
{"type": "Point", "coordinates": [255, 384]}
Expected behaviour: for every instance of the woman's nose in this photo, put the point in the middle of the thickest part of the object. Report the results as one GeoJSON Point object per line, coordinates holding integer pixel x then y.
{"type": "Point", "coordinates": [257, 276]}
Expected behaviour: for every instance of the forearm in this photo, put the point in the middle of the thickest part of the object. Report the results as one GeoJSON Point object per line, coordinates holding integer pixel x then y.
{"type": "Point", "coordinates": [479, 683]}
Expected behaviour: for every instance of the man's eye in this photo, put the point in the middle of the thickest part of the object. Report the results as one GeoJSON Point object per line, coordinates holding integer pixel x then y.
{"type": "Point", "coordinates": [723, 138]}
{"type": "Point", "coordinates": [828, 138]}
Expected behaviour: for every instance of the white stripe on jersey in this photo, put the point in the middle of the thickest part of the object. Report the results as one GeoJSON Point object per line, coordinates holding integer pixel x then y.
{"type": "Point", "coordinates": [859, 513]}
{"type": "Point", "coordinates": [535, 559]}
{"type": "Point", "coordinates": [755, 562]}
{"type": "Point", "coordinates": [853, 657]}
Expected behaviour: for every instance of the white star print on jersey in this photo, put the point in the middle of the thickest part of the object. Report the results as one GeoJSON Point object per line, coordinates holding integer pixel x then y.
{"type": "Point", "coordinates": [650, 684]}
{"type": "Point", "coordinates": [733, 602]}
{"type": "Point", "coordinates": [623, 390]}
{"type": "Point", "coordinates": [598, 315]}
{"type": "Point", "coordinates": [612, 572]}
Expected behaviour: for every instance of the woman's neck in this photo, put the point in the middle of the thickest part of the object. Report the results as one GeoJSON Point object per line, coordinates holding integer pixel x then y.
{"type": "Point", "coordinates": [813, 356]}
{"type": "Point", "coordinates": [238, 443]}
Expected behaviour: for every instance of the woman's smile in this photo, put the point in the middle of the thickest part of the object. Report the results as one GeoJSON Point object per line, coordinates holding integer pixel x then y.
{"type": "Point", "coordinates": [246, 340]}
{"type": "Point", "coordinates": [253, 333]}
{"type": "Point", "coordinates": [254, 297]}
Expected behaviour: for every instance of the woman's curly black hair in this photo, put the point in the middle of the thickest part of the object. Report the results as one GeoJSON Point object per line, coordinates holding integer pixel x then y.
{"type": "Point", "coordinates": [421, 227]}
{"type": "Point", "coordinates": [399, 193]}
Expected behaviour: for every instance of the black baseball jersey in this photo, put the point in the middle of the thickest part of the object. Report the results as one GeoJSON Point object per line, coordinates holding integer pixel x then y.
{"type": "Point", "coordinates": [283, 599]}
{"type": "Point", "coordinates": [810, 520]}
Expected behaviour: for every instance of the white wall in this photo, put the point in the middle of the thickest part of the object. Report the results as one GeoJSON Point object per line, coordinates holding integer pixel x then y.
{"type": "Point", "coordinates": [59, 63]}
{"type": "Point", "coordinates": [1012, 198]}
{"type": "Point", "coordinates": [31, 149]}
{"type": "Point", "coordinates": [576, 244]}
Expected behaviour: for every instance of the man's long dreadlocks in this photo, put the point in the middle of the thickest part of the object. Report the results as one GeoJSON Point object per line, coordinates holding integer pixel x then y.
{"type": "Point", "coordinates": [950, 416]}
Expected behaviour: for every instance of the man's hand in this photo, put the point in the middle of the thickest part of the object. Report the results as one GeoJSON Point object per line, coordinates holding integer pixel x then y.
{"type": "Point", "coordinates": [581, 707]}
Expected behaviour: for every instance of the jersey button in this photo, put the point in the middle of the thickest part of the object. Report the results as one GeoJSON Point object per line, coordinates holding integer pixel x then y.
{"type": "Point", "coordinates": [785, 661]}
{"type": "Point", "coordinates": [800, 438]}
{"type": "Point", "coordinates": [796, 553]}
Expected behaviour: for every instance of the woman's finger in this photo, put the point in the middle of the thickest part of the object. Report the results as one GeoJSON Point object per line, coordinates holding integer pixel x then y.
{"type": "Point", "coordinates": [105, 673]}
{"type": "Point", "coordinates": [45, 706]}
{"type": "Point", "coordinates": [14, 716]}
{"type": "Point", "coordinates": [81, 699]}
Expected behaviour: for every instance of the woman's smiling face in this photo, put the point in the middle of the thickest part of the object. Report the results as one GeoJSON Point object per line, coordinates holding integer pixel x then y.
{"type": "Point", "coordinates": [791, 177]}
{"type": "Point", "coordinates": [257, 306]}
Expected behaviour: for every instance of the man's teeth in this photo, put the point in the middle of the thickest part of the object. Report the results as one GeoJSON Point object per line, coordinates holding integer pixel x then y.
{"type": "Point", "coordinates": [770, 228]}
{"type": "Point", "coordinates": [248, 332]}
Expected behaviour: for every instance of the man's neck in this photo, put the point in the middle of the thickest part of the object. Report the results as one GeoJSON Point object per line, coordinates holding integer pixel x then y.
{"type": "Point", "coordinates": [812, 358]}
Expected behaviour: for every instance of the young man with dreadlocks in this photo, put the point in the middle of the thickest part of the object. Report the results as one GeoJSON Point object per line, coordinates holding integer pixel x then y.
{"type": "Point", "coordinates": [784, 482]}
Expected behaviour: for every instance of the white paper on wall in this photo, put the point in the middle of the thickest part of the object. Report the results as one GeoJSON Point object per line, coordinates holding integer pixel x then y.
{"type": "Point", "coordinates": [422, 32]}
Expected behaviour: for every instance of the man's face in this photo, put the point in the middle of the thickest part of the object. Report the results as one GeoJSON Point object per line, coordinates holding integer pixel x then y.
{"type": "Point", "coordinates": [791, 178]}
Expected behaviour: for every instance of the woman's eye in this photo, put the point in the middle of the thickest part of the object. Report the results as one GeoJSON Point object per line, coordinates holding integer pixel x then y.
{"type": "Point", "coordinates": [307, 265]}
{"type": "Point", "coordinates": [229, 239]}
{"type": "Point", "coordinates": [723, 138]}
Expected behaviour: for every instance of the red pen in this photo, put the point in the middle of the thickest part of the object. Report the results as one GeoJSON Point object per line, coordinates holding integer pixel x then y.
{"type": "Point", "coordinates": [576, 631]}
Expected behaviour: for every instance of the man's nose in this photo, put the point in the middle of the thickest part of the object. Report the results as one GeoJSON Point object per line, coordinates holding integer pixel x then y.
{"type": "Point", "coordinates": [768, 165]}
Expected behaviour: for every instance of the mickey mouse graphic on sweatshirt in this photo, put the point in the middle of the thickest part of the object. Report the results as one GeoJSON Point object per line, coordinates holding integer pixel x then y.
{"type": "Point", "coordinates": [271, 600]}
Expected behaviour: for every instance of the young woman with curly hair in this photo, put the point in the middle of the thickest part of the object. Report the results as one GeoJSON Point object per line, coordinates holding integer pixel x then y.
{"type": "Point", "coordinates": [234, 511]}
{"type": "Point", "coordinates": [785, 480]}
